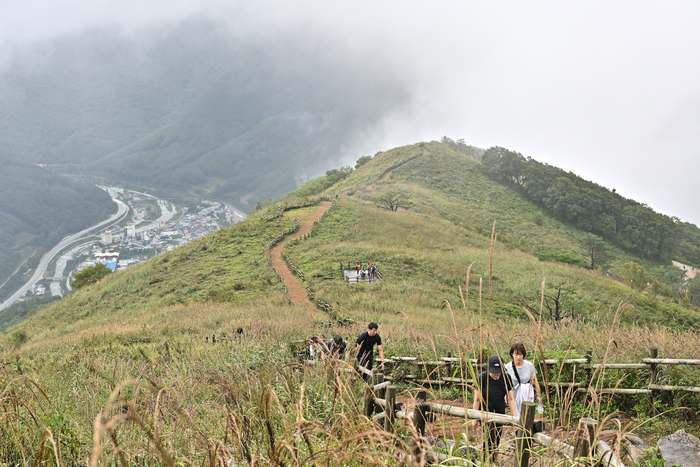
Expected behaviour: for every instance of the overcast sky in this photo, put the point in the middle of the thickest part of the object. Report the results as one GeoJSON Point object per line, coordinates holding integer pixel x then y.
{"type": "Point", "coordinates": [608, 90]}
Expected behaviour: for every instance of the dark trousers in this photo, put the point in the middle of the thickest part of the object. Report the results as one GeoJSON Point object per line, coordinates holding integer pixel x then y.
{"type": "Point", "coordinates": [366, 361]}
{"type": "Point", "coordinates": [491, 440]}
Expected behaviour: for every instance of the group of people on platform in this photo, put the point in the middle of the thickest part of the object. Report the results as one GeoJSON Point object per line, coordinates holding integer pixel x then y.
{"type": "Point", "coordinates": [370, 272]}
{"type": "Point", "coordinates": [499, 387]}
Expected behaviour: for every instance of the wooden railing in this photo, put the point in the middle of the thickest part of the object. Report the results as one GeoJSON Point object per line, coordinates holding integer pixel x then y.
{"type": "Point", "coordinates": [442, 371]}
{"type": "Point", "coordinates": [382, 394]}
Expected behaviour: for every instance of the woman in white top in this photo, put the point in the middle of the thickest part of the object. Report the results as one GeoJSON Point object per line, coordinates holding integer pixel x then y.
{"type": "Point", "coordinates": [523, 374]}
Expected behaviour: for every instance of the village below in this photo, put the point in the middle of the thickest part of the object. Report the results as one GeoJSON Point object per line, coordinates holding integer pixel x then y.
{"type": "Point", "coordinates": [150, 226]}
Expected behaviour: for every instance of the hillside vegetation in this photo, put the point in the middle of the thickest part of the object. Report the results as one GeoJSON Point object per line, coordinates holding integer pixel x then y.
{"type": "Point", "coordinates": [191, 106]}
{"type": "Point", "coordinates": [125, 361]}
{"type": "Point", "coordinates": [37, 209]}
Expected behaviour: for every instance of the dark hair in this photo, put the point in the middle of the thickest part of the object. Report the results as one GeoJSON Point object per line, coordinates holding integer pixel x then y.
{"type": "Point", "coordinates": [518, 347]}
{"type": "Point", "coordinates": [338, 340]}
{"type": "Point", "coordinates": [373, 326]}
{"type": "Point", "coordinates": [239, 330]}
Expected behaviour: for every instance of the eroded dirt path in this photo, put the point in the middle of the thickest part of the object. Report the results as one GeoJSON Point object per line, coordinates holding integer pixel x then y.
{"type": "Point", "coordinates": [690, 271]}
{"type": "Point", "coordinates": [295, 289]}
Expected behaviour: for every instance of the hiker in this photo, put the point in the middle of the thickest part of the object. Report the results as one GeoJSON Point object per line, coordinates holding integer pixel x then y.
{"type": "Point", "coordinates": [364, 350]}
{"type": "Point", "coordinates": [493, 392]}
{"type": "Point", "coordinates": [313, 348]}
{"type": "Point", "coordinates": [336, 347]}
{"type": "Point", "coordinates": [523, 375]}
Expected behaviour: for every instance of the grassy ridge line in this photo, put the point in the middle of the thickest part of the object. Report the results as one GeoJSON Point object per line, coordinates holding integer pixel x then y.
{"type": "Point", "coordinates": [148, 324]}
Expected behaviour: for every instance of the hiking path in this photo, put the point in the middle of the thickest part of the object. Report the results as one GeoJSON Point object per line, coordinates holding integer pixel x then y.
{"type": "Point", "coordinates": [295, 289]}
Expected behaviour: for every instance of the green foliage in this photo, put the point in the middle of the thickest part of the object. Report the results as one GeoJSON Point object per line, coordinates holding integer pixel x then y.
{"type": "Point", "coordinates": [19, 310]}
{"type": "Point", "coordinates": [560, 257]}
{"type": "Point", "coordinates": [393, 200]}
{"type": "Point", "coordinates": [658, 288]}
{"type": "Point", "coordinates": [635, 275]}
{"type": "Point", "coordinates": [462, 147]}
{"type": "Point", "coordinates": [593, 208]}
{"type": "Point", "coordinates": [90, 275]}
{"type": "Point", "coordinates": [362, 161]}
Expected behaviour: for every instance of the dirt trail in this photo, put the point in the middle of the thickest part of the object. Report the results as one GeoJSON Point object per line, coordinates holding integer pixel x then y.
{"type": "Point", "coordinates": [296, 290]}
{"type": "Point", "coordinates": [689, 270]}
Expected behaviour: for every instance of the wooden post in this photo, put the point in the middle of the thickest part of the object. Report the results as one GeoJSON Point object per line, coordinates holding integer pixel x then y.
{"type": "Point", "coordinates": [584, 438]}
{"type": "Point", "coordinates": [379, 380]}
{"type": "Point", "coordinates": [589, 371]}
{"type": "Point", "coordinates": [419, 412]}
{"type": "Point", "coordinates": [390, 419]}
{"type": "Point", "coordinates": [448, 367]}
{"type": "Point", "coordinates": [369, 397]}
{"type": "Point", "coordinates": [653, 353]}
{"type": "Point", "coordinates": [523, 438]}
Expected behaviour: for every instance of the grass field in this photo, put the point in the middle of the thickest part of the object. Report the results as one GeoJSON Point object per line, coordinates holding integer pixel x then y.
{"type": "Point", "coordinates": [124, 372]}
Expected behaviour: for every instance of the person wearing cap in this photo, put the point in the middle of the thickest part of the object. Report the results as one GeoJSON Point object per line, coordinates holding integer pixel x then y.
{"type": "Point", "coordinates": [493, 392]}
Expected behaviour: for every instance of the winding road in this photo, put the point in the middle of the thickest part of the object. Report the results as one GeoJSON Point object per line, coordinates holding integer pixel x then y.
{"type": "Point", "coordinates": [122, 210]}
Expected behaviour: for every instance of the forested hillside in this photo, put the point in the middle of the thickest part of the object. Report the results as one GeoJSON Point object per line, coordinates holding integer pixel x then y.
{"type": "Point", "coordinates": [192, 106]}
{"type": "Point", "coordinates": [37, 209]}
{"type": "Point", "coordinates": [633, 226]}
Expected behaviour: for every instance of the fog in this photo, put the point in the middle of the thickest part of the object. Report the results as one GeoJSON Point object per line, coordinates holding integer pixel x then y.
{"type": "Point", "coordinates": [605, 90]}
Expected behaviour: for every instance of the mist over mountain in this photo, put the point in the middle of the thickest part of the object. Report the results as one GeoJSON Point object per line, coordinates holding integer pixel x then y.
{"type": "Point", "coordinates": [38, 209]}
{"type": "Point", "coordinates": [194, 106]}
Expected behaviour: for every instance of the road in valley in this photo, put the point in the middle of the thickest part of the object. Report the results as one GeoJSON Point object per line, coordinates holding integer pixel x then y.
{"type": "Point", "coordinates": [122, 210]}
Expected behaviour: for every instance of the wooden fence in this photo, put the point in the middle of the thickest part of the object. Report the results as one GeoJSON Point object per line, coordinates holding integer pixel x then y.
{"type": "Point", "coordinates": [382, 395]}
{"type": "Point", "coordinates": [443, 371]}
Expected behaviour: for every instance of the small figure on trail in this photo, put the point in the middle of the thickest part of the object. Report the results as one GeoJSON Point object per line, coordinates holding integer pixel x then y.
{"type": "Point", "coordinates": [364, 349]}
{"type": "Point", "coordinates": [362, 274]}
{"type": "Point", "coordinates": [374, 270]}
{"type": "Point", "coordinates": [336, 196]}
{"type": "Point", "coordinates": [239, 333]}
{"type": "Point", "coordinates": [358, 268]}
{"type": "Point", "coordinates": [493, 393]}
{"type": "Point", "coordinates": [336, 347]}
{"type": "Point", "coordinates": [213, 338]}
{"type": "Point", "coordinates": [523, 375]}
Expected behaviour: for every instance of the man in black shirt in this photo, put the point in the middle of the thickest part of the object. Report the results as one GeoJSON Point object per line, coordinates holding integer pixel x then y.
{"type": "Point", "coordinates": [493, 391]}
{"type": "Point", "coordinates": [364, 350]}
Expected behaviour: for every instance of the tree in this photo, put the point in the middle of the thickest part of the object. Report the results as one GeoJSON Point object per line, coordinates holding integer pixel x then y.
{"type": "Point", "coordinates": [90, 275]}
{"type": "Point", "coordinates": [393, 200]}
{"type": "Point", "coordinates": [659, 288]}
{"type": "Point", "coordinates": [362, 161]}
{"type": "Point", "coordinates": [559, 302]}
{"type": "Point", "coordinates": [595, 247]}
{"type": "Point", "coordinates": [636, 276]}
{"type": "Point", "coordinates": [503, 165]}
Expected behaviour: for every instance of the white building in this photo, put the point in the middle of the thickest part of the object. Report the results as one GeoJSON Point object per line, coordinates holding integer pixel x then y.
{"type": "Point", "coordinates": [106, 237]}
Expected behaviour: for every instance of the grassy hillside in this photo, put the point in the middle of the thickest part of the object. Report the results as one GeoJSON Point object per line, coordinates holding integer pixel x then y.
{"type": "Point", "coordinates": [126, 360]}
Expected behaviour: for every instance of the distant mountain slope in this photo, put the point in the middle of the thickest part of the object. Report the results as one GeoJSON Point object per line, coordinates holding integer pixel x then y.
{"type": "Point", "coordinates": [192, 106]}
{"type": "Point", "coordinates": [423, 252]}
{"type": "Point", "coordinates": [37, 209]}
